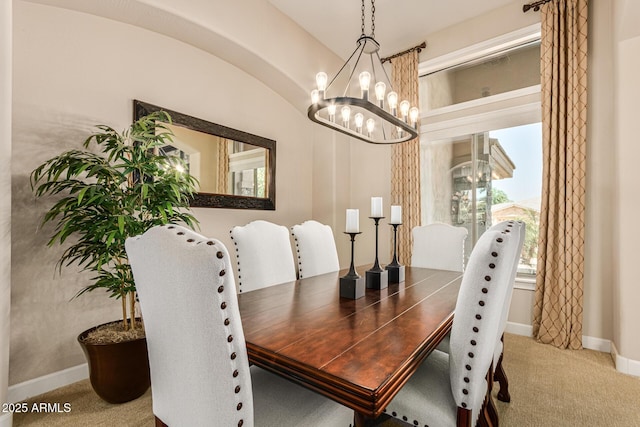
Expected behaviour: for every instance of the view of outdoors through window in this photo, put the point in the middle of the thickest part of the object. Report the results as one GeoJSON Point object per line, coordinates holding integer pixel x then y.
{"type": "Point", "coordinates": [518, 197]}
{"type": "Point", "coordinates": [475, 181]}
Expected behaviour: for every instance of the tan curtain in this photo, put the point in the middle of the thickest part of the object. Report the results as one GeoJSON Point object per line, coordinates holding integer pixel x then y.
{"type": "Point", "coordinates": [560, 277]}
{"type": "Point", "coordinates": [223, 165]}
{"type": "Point", "coordinates": [405, 157]}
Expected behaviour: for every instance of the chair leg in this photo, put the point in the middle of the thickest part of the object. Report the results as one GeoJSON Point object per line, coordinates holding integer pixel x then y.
{"type": "Point", "coordinates": [492, 412]}
{"type": "Point", "coordinates": [501, 377]}
{"type": "Point", "coordinates": [489, 408]}
{"type": "Point", "coordinates": [463, 418]}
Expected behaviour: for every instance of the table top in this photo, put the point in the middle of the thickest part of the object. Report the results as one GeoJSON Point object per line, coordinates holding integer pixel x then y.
{"type": "Point", "coordinates": [357, 352]}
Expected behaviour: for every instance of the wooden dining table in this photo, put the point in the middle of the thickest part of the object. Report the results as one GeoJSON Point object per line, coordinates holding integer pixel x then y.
{"type": "Point", "coordinates": [357, 352]}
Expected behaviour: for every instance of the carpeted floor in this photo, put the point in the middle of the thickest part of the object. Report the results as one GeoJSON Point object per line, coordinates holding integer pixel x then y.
{"type": "Point", "coordinates": [549, 387]}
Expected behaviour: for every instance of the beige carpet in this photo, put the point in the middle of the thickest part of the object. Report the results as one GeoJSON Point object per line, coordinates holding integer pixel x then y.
{"type": "Point", "coordinates": [549, 387]}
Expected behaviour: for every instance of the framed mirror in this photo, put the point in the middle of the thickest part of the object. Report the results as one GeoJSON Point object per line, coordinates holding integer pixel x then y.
{"type": "Point", "coordinates": [235, 169]}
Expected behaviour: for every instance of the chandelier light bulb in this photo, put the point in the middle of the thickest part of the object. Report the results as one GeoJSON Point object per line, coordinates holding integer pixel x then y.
{"type": "Point", "coordinates": [315, 96]}
{"type": "Point", "coordinates": [321, 82]}
{"type": "Point", "coordinates": [346, 115]}
{"type": "Point", "coordinates": [359, 119]}
{"type": "Point", "coordinates": [331, 109]}
{"type": "Point", "coordinates": [380, 89]}
{"type": "Point", "coordinates": [392, 99]}
{"type": "Point", "coordinates": [365, 81]}
{"type": "Point", "coordinates": [404, 110]}
{"type": "Point", "coordinates": [371, 125]}
{"type": "Point", "coordinates": [414, 113]}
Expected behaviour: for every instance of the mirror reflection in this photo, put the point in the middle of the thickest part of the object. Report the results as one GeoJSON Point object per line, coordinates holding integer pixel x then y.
{"type": "Point", "coordinates": [235, 169]}
{"type": "Point", "coordinates": [221, 165]}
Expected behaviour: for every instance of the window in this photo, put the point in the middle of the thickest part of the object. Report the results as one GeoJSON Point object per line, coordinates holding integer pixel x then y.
{"type": "Point", "coordinates": [481, 143]}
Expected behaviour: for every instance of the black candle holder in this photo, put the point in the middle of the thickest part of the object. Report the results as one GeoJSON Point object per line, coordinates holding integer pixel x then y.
{"type": "Point", "coordinates": [376, 277]}
{"type": "Point", "coordinates": [352, 284]}
{"type": "Point", "coordinates": [395, 269]}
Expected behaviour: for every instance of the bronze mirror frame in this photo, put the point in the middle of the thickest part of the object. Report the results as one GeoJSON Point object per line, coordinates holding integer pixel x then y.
{"type": "Point", "coordinates": [213, 200]}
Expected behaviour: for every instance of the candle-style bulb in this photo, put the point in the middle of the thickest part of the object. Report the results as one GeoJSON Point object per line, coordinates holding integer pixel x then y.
{"type": "Point", "coordinates": [359, 120]}
{"type": "Point", "coordinates": [414, 113]}
{"type": "Point", "coordinates": [371, 125]}
{"type": "Point", "coordinates": [404, 110]}
{"type": "Point", "coordinates": [380, 89]}
{"type": "Point", "coordinates": [392, 99]}
{"type": "Point", "coordinates": [315, 96]}
{"type": "Point", "coordinates": [331, 109]}
{"type": "Point", "coordinates": [321, 82]}
{"type": "Point", "coordinates": [365, 80]}
{"type": "Point", "coordinates": [346, 115]}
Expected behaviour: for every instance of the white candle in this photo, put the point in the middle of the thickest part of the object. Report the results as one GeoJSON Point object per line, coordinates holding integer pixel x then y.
{"type": "Point", "coordinates": [353, 218]}
{"type": "Point", "coordinates": [396, 214]}
{"type": "Point", "coordinates": [376, 207]}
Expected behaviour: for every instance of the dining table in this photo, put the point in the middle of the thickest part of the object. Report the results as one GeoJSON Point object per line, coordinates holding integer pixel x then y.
{"type": "Point", "coordinates": [358, 352]}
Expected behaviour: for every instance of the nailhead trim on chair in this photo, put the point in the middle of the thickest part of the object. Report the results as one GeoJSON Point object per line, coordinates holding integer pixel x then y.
{"type": "Point", "coordinates": [238, 262]}
{"type": "Point", "coordinates": [298, 256]}
{"type": "Point", "coordinates": [478, 316]}
{"type": "Point", "coordinates": [227, 322]}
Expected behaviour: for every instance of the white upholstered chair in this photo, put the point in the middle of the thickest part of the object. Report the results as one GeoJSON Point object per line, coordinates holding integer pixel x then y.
{"type": "Point", "coordinates": [451, 389]}
{"type": "Point", "coordinates": [315, 248]}
{"type": "Point", "coordinates": [438, 245]}
{"type": "Point", "coordinates": [263, 252]}
{"type": "Point", "coordinates": [200, 374]}
{"type": "Point", "coordinates": [517, 228]}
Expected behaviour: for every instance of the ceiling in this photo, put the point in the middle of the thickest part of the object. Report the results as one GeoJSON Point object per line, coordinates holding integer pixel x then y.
{"type": "Point", "coordinates": [400, 24]}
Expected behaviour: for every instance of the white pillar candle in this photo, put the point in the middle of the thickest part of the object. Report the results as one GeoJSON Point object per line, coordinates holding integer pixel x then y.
{"type": "Point", "coordinates": [396, 214]}
{"type": "Point", "coordinates": [353, 221]}
{"type": "Point", "coordinates": [376, 207]}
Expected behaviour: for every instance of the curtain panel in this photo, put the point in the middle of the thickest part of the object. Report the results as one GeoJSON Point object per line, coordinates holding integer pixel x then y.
{"type": "Point", "coordinates": [560, 274]}
{"type": "Point", "coordinates": [405, 157]}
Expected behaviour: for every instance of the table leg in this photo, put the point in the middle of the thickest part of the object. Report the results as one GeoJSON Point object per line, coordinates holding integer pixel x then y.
{"type": "Point", "coordinates": [360, 420]}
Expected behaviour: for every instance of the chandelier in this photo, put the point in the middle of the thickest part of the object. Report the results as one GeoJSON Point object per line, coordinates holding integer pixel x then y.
{"type": "Point", "coordinates": [378, 117]}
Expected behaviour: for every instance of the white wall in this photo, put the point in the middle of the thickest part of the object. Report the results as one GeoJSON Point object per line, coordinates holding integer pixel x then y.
{"type": "Point", "coordinates": [627, 128]}
{"type": "Point", "coordinates": [5, 201]}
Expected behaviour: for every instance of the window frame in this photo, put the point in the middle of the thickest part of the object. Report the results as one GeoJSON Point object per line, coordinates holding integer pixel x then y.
{"type": "Point", "coordinates": [504, 110]}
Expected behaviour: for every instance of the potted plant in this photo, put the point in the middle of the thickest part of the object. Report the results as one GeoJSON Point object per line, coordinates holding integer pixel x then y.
{"type": "Point", "coordinates": [118, 187]}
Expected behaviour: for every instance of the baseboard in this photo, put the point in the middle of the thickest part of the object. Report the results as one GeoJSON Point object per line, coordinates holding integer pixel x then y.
{"type": "Point", "coordinates": [624, 364]}
{"type": "Point", "coordinates": [519, 329]}
{"type": "Point", "coordinates": [6, 419]}
{"type": "Point", "coordinates": [597, 344]}
{"type": "Point", "coordinates": [22, 391]}
{"type": "Point", "coordinates": [592, 343]}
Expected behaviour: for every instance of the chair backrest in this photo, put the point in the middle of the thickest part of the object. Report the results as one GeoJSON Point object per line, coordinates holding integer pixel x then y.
{"type": "Point", "coordinates": [197, 352]}
{"type": "Point", "coordinates": [264, 256]}
{"type": "Point", "coordinates": [316, 249]}
{"type": "Point", "coordinates": [519, 229]}
{"type": "Point", "coordinates": [439, 245]}
{"type": "Point", "coordinates": [477, 316]}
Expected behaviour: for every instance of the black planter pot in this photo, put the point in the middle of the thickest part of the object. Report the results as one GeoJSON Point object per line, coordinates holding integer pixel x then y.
{"type": "Point", "coordinates": [119, 372]}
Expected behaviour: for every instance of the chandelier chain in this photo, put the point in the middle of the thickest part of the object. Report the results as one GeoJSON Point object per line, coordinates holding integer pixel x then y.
{"type": "Point", "coordinates": [373, 19]}
{"type": "Point", "coordinates": [362, 17]}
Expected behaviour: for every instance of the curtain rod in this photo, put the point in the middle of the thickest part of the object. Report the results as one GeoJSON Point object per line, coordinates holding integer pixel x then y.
{"type": "Point", "coordinates": [535, 5]}
{"type": "Point", "coordinates": [418, 48]}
